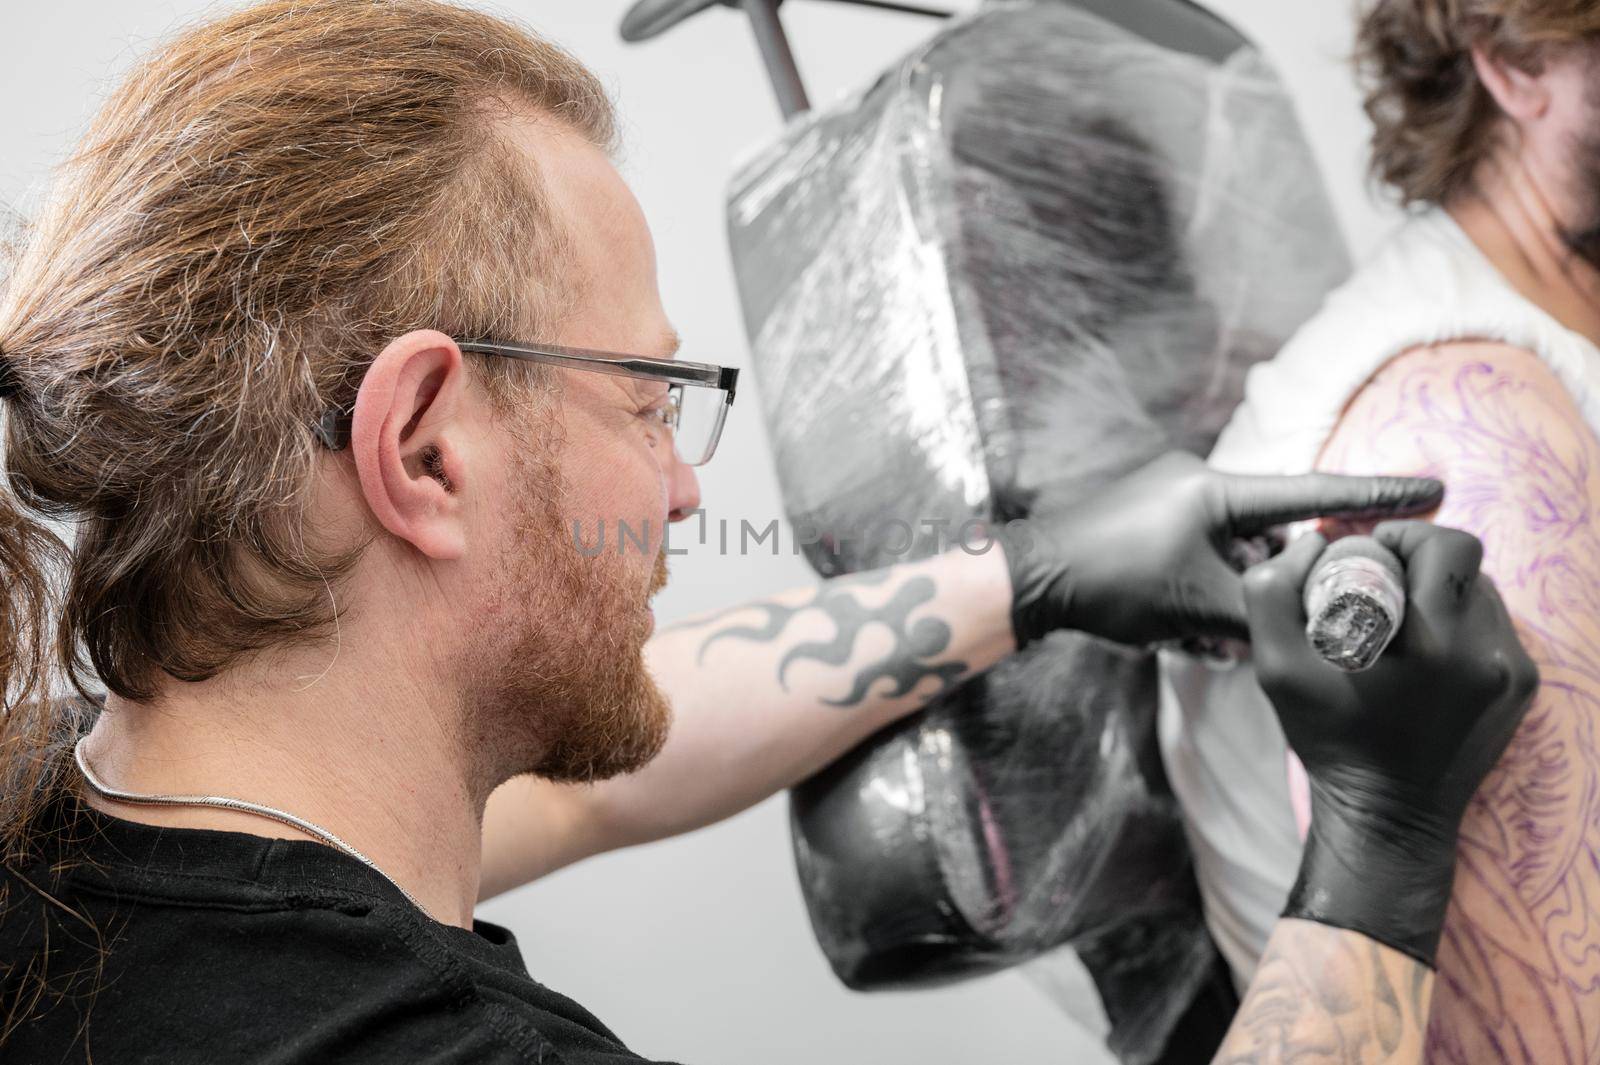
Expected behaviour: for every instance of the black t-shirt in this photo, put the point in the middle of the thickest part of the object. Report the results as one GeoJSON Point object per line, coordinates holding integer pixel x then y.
{"type": "Point", "coordinates": [170, 946]}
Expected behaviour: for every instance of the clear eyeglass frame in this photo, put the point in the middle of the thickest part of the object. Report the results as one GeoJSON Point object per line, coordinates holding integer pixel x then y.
{"type": "Point", "coordinates": [698, 393]}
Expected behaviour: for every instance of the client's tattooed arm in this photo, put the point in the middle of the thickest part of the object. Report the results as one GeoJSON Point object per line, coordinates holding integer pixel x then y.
{"type": "Point", "coordinates": [1327, 996]}
{"type": "Point", "coordinates": [1519, 965]}
{"type": "Point", "coordinates": [763, 695]}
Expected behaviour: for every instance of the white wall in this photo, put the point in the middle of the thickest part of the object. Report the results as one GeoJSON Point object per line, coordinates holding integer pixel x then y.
{"type": "Point", "coordinates": [698, 948]}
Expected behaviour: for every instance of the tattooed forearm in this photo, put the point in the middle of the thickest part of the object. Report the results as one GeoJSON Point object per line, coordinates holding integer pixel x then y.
{"type": "Point", "coordinates": [881, 643]}
{"type": "Point", "coordinates": [1519, 964]}
{"type": "Point", "coordinates": [1326, 996]}
{"type": "Point", "coordinates": [917, 651]}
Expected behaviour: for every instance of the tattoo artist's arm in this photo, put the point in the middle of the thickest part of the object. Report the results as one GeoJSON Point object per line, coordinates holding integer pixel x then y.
{"type": "Point", "coordinates": [765, 694]}
{"type": "Point", "coordinates": [1329, 996]}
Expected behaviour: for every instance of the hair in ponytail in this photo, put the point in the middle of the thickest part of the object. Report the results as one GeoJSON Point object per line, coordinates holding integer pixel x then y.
{"type": "Point", "coordinates": [33, 559]}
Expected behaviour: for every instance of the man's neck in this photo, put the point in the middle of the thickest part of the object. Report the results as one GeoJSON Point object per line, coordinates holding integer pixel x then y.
{"type": "Point", "coordinates": [374, 766]}
{"type": "Point", "coordinates": [1510, 216]}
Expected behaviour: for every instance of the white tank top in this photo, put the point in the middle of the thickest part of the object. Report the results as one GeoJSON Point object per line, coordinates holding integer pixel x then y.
{"type": "Point", "coordinates": [1222, 747]}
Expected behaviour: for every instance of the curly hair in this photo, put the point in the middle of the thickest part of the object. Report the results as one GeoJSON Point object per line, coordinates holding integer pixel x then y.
{"type": "Point", "coordinates": [1433, 120]}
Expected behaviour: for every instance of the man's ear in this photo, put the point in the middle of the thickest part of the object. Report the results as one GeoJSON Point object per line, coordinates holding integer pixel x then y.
{"type": "Point", "coordinates": [1522, 94]}
{"type": "Point", "coordinates": [410, 414]}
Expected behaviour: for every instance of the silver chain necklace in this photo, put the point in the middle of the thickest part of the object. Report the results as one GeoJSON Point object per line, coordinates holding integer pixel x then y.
{"type": "Point", "coordinates": [236, 804]}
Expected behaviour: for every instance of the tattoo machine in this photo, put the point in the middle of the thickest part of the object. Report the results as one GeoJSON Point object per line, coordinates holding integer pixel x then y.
{"type": "Point", "coordinates": [1355, 601]}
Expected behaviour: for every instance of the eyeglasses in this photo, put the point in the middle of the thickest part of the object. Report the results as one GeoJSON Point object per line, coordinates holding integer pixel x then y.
{"type": "Point", "coordinates": [698, 393]}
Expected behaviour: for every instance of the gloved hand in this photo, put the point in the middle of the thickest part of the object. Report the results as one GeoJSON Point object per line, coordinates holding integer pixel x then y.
{"type": "Point", "coordinates": [1145, 559]}
{"type": "Point", "coordinates": [1394, 754]}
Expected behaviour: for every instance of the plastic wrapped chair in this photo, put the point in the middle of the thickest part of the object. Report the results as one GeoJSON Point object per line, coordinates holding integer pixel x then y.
{"type": "Point", "coordinates": [1036, 253]}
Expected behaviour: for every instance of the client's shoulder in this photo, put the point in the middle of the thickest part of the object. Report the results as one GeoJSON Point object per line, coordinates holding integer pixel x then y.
{"type": "Point", "coordinates": [1452, 407]}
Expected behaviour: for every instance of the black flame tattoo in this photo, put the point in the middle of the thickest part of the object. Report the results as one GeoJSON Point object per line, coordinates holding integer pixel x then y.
{"type": "Point", "coordinates": [916, 643]}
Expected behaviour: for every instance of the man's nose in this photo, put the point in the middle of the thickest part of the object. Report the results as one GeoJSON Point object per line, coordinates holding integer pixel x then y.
{"type": "Point", "coordinates": [683, 489]}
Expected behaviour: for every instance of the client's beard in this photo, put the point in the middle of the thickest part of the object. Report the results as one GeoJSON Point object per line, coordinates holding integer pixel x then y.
{"type": "Point", "coordinates": [563, 691]}
{"type": "Point", "coordinates": [1583, 237]}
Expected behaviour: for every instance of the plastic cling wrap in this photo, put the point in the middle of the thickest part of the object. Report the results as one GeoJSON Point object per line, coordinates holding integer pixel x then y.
{"type": "Point", "coordinates": [1033, 255]}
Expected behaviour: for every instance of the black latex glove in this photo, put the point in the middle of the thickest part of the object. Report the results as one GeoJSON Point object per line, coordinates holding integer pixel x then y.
{"type": "Point", "coordinates": [1394, 753]}
{"type": "Point", "coordinates": [1145, 559]}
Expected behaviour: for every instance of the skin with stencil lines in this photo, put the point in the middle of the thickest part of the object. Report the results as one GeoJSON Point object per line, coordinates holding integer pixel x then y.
{"type": "Point", "coordinates": [1519, 964]}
